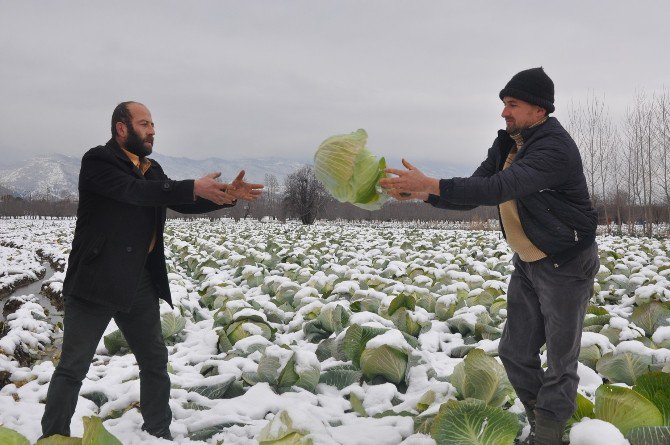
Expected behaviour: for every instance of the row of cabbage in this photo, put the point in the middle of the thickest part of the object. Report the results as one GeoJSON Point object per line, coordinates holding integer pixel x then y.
{"type": "Point", "coordinates": [413, 314]}
{"type": "Point", "coordinates": [28, 330]}
{"type": "Point", "coordinates": [386, 306]}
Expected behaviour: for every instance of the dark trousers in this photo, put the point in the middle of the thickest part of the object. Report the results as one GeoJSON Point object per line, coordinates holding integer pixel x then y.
{"type": "Point", "coordinates": [547, 304]}
{"type": "Point", "coordinates": [84, 324]}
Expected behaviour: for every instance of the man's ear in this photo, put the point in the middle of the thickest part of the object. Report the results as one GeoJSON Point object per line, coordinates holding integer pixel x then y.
{"type": "Point", "coordinates": [121, 130]}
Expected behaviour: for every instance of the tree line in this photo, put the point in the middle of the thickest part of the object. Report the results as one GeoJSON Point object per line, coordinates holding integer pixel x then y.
{"type": "Point", "coordinates": [626, 162]}
{"type": "Point", "coordinates": [301, 196]}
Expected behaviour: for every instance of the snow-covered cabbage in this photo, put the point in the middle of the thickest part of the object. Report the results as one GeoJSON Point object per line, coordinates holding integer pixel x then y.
{"type": "Point", "coordinates": [480, 376]}
{"type": "Point", "coordinates": [650, 316]}
{"type": "Point", "coordinates": [473, 422]}
{"type": "Point", "coordinates": [285, 368]}
{"type": "Point", "coordinates": [625, 367]}
{"type": "Point", "coordinates": [401, 313]}
{"type": "Point", "coordinates": [245, 324]}
{"type": "Point", "coordinates": [94, 433]}
{"type": "Point", "coordinates": [614, 404]}
{"type": "Point", "coordinates": [171, 326]}
{"type": "Point", "coordinates": [349, 171]}
{"type": "Point", "coordinates": [648, 399]}
{"type": "Point", "coordinates": [379, 352]}
{"type": "Point", "coordinates": [332, 318]}
{"type": "Point", "coordinates": [292, 427]}
{"type": "Point", "coordinates": [589, 355]}
{"type": "Point", "coordinates": [385, 361]}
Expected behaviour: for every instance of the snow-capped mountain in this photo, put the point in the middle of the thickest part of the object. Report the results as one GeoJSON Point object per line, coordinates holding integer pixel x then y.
{"type": "Point", "coordinates": [50, 176]}
{"type": "Point", "coordinates": [55, 176]}
{"type": "Point", "coordinates": [255, 169]}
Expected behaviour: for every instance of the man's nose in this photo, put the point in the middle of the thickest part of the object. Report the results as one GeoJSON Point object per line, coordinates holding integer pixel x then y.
{"type": "Point", "coordinates": [505, 112]}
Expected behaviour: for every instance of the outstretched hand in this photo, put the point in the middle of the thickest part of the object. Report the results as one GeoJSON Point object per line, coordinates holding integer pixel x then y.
{"type": "Point", "coordinates": [210, 189]}
{"type": "Point", "coordinates": [410, 183]}
{"type": "Point", "coordinates": [241, 189]}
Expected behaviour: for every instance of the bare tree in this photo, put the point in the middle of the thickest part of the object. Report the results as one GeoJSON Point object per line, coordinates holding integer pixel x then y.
{"type": "Point", "coordinates": [618, 163]}
{"type": "Point", "coordinates": [649, 165]}
{"type": "Point", "coordinates": [271, 194]}
{"type": "Point", "coordinates": [304, 195]}
{"type": "Point", "coordinates": [583, 124]}
{"type": "Point", "coordinates": [632, 176]}
{"type": "Point", "coordinates": [606, 142]}
{"type": "Point", "coordinates": [633, 131]}
{"type": "Point", "coordinates": [663, 136]}
{"type": "Point", "coordinates": [640, 134]}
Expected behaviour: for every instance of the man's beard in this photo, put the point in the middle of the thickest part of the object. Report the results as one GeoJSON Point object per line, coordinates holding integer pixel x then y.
{"type": "Point", "coordinates": [135, 144]}
{"type": "Point", "coordinates": [513, 128]}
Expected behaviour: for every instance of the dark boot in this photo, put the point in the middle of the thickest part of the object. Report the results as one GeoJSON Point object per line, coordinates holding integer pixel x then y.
{"type": "Point", "coordinates": [530, 417]}
{"type": "Point", "coordinates": [164, 434]}
{"type": "Point", "coordinates": [548, 431]}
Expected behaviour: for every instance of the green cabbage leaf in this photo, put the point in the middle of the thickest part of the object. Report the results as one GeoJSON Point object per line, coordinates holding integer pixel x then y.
{"type": "Point", "coordinates": [349, 171]}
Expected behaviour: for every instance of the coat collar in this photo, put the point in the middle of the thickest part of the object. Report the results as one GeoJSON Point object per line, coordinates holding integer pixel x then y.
{"type": "Point", "coordinates": [506, 142]}
{"type": "Point", "coordinates": [526, 133]}
{"type": "Point", "coordinates": [117, 151]}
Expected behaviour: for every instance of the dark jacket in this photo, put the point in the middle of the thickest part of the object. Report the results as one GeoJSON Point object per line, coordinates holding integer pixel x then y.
{"type": "Point", "coordinates": [119, 211]}
{"type": "Point", "coordinates": [546, 179]}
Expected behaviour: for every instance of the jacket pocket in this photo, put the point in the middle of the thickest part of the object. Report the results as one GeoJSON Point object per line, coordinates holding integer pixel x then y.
{"type": "Point", "coordinates": [560, 227]}
{"type": "Point", "coordinates": [94, 250]}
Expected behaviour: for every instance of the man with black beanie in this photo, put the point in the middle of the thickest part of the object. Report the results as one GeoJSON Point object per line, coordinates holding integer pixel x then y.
{"type": "Point", "coordinates": [534, 174]}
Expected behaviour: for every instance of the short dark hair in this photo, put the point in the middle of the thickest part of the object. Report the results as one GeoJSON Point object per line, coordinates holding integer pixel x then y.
{"type": "Point", "coordinates": [121, 114]}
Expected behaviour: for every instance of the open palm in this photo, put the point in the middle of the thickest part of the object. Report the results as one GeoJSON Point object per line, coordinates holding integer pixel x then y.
{"type": "Point", "coordinates": [241, 189]}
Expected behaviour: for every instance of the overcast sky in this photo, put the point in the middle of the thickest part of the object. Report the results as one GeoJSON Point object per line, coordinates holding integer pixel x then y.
{"type": "Point", "coordinates": [275, 78]}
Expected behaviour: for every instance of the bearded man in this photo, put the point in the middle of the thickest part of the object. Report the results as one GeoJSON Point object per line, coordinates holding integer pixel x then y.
{"type": "Point", "coordinates": [116, 268]}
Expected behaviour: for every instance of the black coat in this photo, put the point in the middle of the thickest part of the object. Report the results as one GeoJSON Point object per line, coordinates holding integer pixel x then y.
{"type": "Point", "coordinates": [547, 181]}
{"type": "Point", "coordinates": [119, 211]}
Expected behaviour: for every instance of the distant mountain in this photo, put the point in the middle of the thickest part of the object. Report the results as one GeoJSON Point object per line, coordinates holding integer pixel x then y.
{"type": "Point", "coordinates": [5, 191]}
{"type": "Point", "coordinates": [255, 169]}
{"type": "Point", "coordinates": [55, 176]}
{"type": "Point", "coordinates": [436, 169]}
{"type": "Point", "coordinates": [50, 176]}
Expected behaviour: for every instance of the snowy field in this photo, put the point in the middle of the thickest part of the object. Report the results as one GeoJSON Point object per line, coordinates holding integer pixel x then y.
{"type": "Point", "coordinates": [340, 334]}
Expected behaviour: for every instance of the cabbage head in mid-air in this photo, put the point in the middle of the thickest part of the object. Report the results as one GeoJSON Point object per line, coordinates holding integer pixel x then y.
{"type": "Point", "coordinates": [349, 171]}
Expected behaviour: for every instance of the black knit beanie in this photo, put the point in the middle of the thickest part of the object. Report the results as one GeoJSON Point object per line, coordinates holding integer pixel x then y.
{"type": "Point", "coordinates": [532, 86]}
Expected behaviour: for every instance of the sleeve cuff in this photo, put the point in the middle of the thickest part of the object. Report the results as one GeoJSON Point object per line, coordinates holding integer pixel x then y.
{"type": "Point", "coordinates": [446, 187]}
{"type": "Point", "coordinates": [432, 199]}
{"type": "Point", "coordinates": [192, 181]}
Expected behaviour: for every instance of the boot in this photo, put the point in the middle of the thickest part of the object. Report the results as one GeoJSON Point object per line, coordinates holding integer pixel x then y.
{"type": "Point", "coordinates": [530, 417]}
{"type": "Point", "coordinates": [548, 431]}
{"type": "Point", "coordinates": [164, 434]}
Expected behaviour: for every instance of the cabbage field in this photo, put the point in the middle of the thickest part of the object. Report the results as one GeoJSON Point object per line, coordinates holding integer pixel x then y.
{"type": "Point", "coordinates": [338, 333]}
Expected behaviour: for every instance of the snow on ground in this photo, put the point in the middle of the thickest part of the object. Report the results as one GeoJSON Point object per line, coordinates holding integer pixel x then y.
{"type": "Point", "coordinates": [277, 294]}
{"type": "Point", "coordinates": [18, 267]}
{"type": "Point", "coordinates": [596, 432]}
